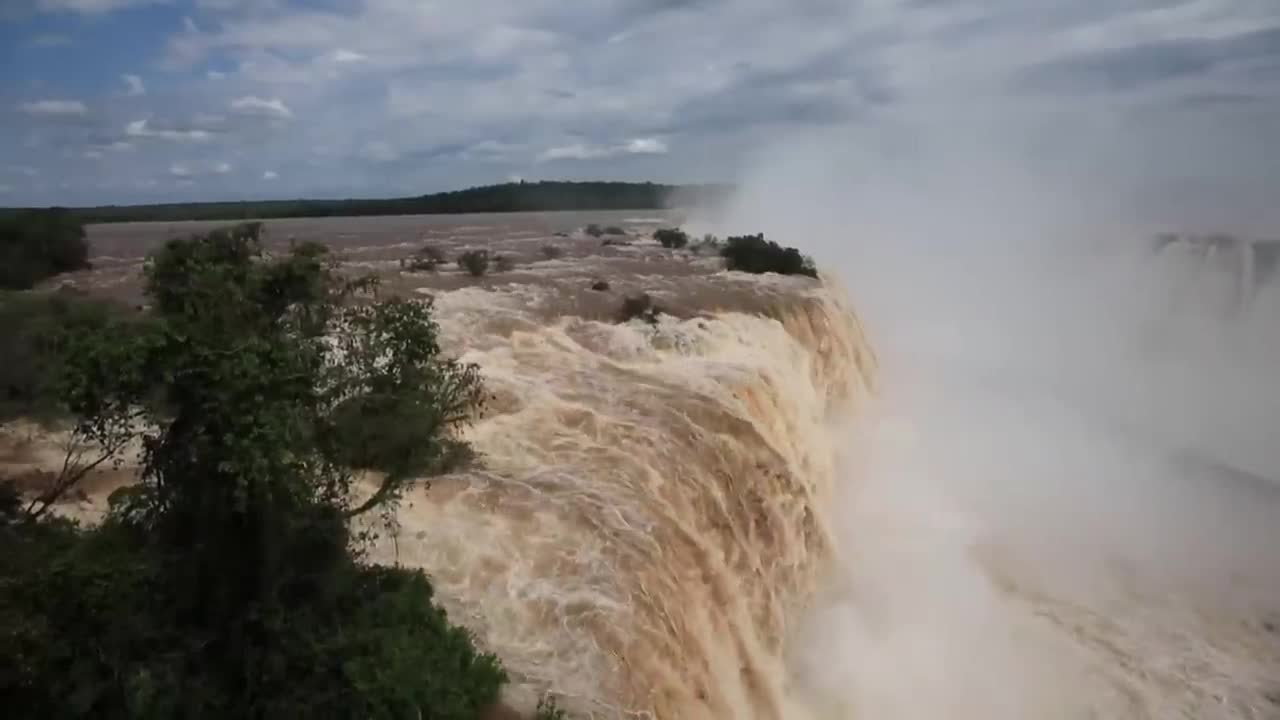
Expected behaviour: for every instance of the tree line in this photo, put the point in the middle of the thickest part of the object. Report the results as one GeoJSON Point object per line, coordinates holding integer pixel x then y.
{"type": "Point", "coordinates": [505, 197]}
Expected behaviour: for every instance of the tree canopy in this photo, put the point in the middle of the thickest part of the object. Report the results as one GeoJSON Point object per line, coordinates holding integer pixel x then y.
{"type": "Point", "coordinates": [37, 244]}
{"type": "Point", "coordinates": [754, 254]}
{"type": "Point", "coordinates": [229, 582]}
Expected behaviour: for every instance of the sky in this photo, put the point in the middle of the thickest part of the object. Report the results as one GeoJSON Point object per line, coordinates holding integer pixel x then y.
{"type": "Point", "coordinates": [129, 101]}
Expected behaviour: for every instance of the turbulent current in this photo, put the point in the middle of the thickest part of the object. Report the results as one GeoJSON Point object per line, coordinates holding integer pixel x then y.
{"type": "Point", "coordinates": [652, 511]}
{"type": "Point", "coordinates": [742, 515]}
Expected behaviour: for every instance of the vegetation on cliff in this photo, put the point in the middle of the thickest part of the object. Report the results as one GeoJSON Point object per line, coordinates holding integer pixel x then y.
{"type": "Point", "coordinates": [754, 254]}
{"type": "Point", "coordinates": [230, 582]}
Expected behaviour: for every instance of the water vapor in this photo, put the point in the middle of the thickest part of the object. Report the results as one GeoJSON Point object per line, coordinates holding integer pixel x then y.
{"type": "Point", "coordinates": [1066, 500]}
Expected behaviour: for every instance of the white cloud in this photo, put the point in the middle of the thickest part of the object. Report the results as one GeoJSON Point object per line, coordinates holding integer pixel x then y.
{"type": "Point", "coordinates": [577, 151]}
{"type": "Point", "coordinates": [581, 151]}
{"type": "Point", "coordinates": [100, 149]}
{"type": "Point", "coordinates": [91, 7]}
{"type": "Point", "coordinates": [380, 151]}
{"type": "Point", "coordinates": [179, 171]}
{"type": "Point", "coordinates": [269, 175]}
{"type": "Point", "coordinates": [222, 168]}
{"type": "Point", "coordinates": [207, 119]}
{"type": "Point", "coordinates": [49, 40]}
{"type": "Point", "coordinates": [141, 129]}
{"type": "Point", "coordinates": [54, 108]}
{"type": "Point", "coordinates": [343, 55]}
{"type": "Point", "coordinates": [253, 105]}
{"type": "Point", "coordinates": [231, 4]}
{"type": "Point", "coordinates": [133, 85]}
{"type": "Point", "coordinates": [646, 146]}
{"type": "Point", "coordinates": [491, 86]}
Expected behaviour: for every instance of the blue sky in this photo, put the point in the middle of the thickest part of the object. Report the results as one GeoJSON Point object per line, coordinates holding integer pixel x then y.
{"type": "Point", "coordinates": [120, 101]}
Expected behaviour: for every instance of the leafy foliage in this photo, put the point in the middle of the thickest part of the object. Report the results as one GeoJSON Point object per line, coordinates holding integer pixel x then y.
{"type": "Point", "coordinates": [673, 238]}
{"type": "Point", "coordinates": [38, 244]}
{"type": "Point", "coordinates": [593, 230]}
{"type": "Point", "coordinates": [228, 583]}
{"type": "Point", "coordinates": [474, 262]}
{"type": "Point", "coordinates": [36, 327]}
{"type": "Point", "coordinates": [754, 254]}
{"type": "Point", "coordinates": [94, 626]}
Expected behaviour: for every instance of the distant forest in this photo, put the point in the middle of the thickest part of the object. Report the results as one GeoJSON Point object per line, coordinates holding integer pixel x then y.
{"type": "Point", "coordinates": [507, 197]}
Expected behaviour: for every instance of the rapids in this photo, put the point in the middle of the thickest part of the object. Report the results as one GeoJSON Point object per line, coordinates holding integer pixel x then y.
{"type": "Point", "coordinates": [651, 513]}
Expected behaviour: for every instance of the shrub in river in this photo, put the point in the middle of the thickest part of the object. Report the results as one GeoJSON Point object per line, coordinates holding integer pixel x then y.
{"type": "Point", "coordinates": [673, 238]}
{"type": "Point", "coordinates": [475, 262]}
{"type": "Point", "coordinates": [594, 230]}
{"type": "Point", "coordinates": [552, 252]}
{"type": "Point", "coordinates": [230, 582]}
{"type": "Point", "coordinates": [37, 244]}
{"type": "Point", "coordinates": [754, 254]}
{"type": "Point", "coordinates": [548, 710]}
{"type": "Point", "coordinates": [614, 230]}
{"type": "Point", "coordinates": [504, 263]}
{"type": "Point", "coordinates": [640, 307]}
{"type": "Point", "coordinates": [426, 259]}
{"type": "Point", "coordinates": [600, 286]}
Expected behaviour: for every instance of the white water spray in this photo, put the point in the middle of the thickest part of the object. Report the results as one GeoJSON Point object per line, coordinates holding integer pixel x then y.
{"type": "Point", "coordinates": [1066, 502]}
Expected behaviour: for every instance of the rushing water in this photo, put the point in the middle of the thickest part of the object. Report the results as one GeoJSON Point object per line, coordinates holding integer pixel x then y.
{"type": "Point", "coordinates": [941, 505]}
{"type": "Point", "coordinates": [744, 515]}
{"type": "Point", "coordinates": [651, 513]}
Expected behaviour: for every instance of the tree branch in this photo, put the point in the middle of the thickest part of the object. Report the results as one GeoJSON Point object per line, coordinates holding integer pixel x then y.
{"type": "Point", "coordinates": [389, 483]}
{"type": "Point", "coordinates": [71, 474]}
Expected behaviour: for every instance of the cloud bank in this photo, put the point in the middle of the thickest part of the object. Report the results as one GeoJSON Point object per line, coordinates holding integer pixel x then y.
{"type": "Point", "coordinates": [398, 96]}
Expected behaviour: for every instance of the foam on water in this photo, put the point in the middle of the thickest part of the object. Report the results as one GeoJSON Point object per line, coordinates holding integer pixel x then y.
{"type": "Point", "coordinates": [650, 512]}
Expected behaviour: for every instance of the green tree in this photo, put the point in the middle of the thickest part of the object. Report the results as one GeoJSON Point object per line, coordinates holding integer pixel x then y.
{"type": "Point", "coordinates": [37, 244]}
{"type": "Point", "coordinates": [673, 238]}
{"type": "Point", "coordinates": [34, 326]}
{"type": "Point", "coordinates": [754, 254]}
{"type": "Point", "coordinates": [229, 581]}
{"type": "Point", "coordinates": [474, 262]}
